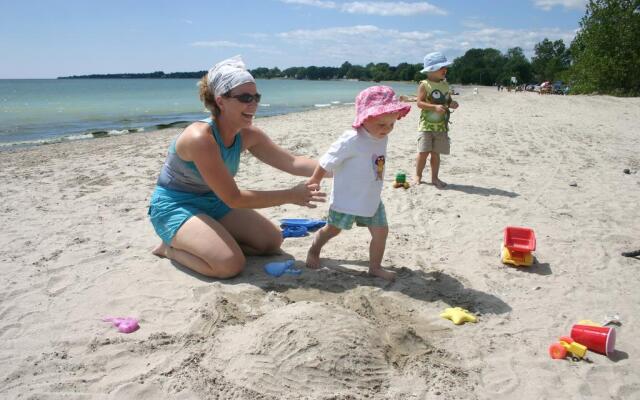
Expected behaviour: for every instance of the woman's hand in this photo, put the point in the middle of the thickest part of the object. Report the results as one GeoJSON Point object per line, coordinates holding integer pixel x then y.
{"type": "Point", "coordinates": [306, 193]}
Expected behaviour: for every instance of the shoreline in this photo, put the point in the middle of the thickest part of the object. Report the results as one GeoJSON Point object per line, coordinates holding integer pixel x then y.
{"type": "Point", "coordinates": [102, 133]}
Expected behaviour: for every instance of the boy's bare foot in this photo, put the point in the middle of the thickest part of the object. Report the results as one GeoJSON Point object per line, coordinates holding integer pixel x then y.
{"type": "Point", "coordinates": [416, 180]}
{"type": "Point", "coordinates": [160, 250]}
{"type": "Point", "coordinates": [383, 273]}
{"type": "Point", "coordinates": [439, 184]}
{"type": "Point", "coordinates": [313, 259]}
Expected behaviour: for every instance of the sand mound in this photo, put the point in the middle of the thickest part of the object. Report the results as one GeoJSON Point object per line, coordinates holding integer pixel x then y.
{"type": "Point", "coordinates": [304, 347]}
{"type": "Point", "coordinates": [324, 349]}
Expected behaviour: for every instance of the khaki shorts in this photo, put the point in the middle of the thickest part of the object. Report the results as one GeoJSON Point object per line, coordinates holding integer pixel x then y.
{"type": "Point", "coordinates": [437, 142]}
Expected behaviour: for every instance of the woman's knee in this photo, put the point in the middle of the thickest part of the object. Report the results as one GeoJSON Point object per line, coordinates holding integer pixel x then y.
{"type": "Point", "coordinates": [225, 266]}
{"type": "Point", "coordinates": [275, 242]}
{"type": "Point", "coordinates": [269, 243]}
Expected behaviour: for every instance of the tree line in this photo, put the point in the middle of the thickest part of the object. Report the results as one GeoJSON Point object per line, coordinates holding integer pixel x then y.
{"type": "Point", "coordinates": [604, 57]}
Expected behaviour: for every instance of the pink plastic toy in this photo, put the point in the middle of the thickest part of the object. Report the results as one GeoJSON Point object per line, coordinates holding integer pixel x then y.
{"type": "Point", "coordinates": [124, 324]}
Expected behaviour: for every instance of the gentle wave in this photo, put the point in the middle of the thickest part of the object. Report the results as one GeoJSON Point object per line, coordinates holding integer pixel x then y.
{"type": "Point", "coordinates": [38, 112]}
{"type": "Point", "coordinates": [60, 139]}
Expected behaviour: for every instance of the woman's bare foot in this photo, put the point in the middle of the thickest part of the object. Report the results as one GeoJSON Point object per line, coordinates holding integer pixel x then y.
{"type": "Point", "coordinates": [439, 184]}
{"type": "Point", "coordinates": [382, 273]}
{"type": "Point", "coordinates": [416, 180]}
{"type": "Point", "coordinates": [161, 250]}
{"type": "Point", "coordinates": [313, 258]}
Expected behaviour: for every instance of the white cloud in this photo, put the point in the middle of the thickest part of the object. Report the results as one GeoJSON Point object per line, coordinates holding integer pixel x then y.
{"type": "Point", "coordinates": [221, 43]}
{"type": "Point", "coordinates": [473, 23]}
{"type": "Point", "coordinates": [398, 8]}
{"type": "Point", "coordinates": [382, 8]}
{"type": "Point", "coordinates": [314, 3]}
{"type": "Point", "coordinates": [369, 43]}
{"type": "Point", "coordinates": [506, 38]}
{"type": "Point", "coordinates": [187, 21]}
{"type": "Point", "coordinates": [547, 5]}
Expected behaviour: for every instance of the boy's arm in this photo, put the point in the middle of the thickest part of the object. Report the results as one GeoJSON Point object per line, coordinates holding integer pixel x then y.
{"type": "Point", "coordinates": [452, 103]}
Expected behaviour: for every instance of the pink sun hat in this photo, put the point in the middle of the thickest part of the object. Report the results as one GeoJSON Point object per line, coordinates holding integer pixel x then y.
{"type": "Point", "coordinates": [375, 101]}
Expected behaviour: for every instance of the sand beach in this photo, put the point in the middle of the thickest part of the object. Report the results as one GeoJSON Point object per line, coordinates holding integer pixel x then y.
{"type": "Point", "coordinates": [76, 247]}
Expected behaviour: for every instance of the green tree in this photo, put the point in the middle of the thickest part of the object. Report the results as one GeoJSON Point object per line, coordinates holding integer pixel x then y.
{"type": "Point", "coordinates": [344, 69]}
{"type": "Point", "coordinates": [313, 73]}
{"type": "Point", "coordinates": [358, 72]}
{"type": "Point", "coordinates": [379, 72]}
{"type": "Point", "coordinates": [294, 72]}
{"type": "Point", "coordinates": [606, 50]}
{"type": "Point", "coordinates": [551, 60]}
{"type": "Point", "coordinates": [261, 73]}
{"type": "Point", "coordinates": [516, 65]}
{"type": "Point", "coordinates": [404, 72]}
{"type": "Point", "coordinates": [477, 66]}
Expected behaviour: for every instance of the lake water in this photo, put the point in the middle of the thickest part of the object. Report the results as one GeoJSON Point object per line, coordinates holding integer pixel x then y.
{"type": "Point", "coordinates": [37, 111]}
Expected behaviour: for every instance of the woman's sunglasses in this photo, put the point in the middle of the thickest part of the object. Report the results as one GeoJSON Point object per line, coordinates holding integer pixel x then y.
{"type": "Point", "coordinates": [246, 98]}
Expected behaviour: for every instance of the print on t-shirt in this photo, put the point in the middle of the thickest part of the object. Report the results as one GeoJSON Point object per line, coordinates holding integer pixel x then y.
{"type": "Point", "coordinates": [378, 166]}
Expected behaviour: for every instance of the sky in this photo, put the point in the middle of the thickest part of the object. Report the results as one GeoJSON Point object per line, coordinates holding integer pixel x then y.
{"type": "Point", "coordinates": [51, 38]}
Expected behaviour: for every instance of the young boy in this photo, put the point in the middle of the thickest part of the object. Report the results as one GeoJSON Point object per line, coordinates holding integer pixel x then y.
{"type": "Point", "coordinates": [357, 160]}
{"type": "Point", "coordinates": [434, 99]}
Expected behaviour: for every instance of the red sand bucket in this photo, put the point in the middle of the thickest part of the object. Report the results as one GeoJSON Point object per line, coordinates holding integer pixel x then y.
{"type": "Point", "coordinates": [601, 339]}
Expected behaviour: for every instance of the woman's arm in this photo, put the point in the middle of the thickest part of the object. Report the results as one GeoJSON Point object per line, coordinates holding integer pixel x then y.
{"type": "Point", "coordinates": [198, 145]}
{"type": "Point", "coordinates": [264, 149]}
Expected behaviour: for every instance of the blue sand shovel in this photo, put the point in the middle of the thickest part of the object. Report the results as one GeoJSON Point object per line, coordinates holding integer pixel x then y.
{"type": "Point", "coordinates": [293, 231]}
{"type": "Point", "coordinates": [279, 268]}
{"type": "Point", "coordinates": [310, 224]}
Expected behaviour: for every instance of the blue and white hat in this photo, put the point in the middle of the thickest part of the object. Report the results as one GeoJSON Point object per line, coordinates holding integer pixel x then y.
{"type": "Point", "coordinates": [434, 61]}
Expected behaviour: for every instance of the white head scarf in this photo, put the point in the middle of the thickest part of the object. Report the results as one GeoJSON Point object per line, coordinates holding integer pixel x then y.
{"type": "Point", "coordinates": [228, 74]}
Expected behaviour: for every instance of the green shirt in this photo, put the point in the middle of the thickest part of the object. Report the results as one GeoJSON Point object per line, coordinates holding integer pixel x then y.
{"type": "Point", "coordinates": [437, 93]}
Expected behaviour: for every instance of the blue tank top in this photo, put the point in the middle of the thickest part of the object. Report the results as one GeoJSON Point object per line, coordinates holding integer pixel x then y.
{"type": "Point", "coordinates": [178, 174]}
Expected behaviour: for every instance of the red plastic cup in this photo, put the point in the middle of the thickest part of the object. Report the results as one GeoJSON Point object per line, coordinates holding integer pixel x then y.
{"type": "Point", "coordinates": [601, 339]}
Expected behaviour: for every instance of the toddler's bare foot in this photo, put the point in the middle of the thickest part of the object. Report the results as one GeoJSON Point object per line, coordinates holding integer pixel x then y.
{"type": "Point", "coordinates": [313, 258]}
{"type": "Point", "coordinates": [416, 180]}
{"type": "Point", "coordinates": [160, 250]}
{"type": "Point", "coordinates": [439, 184]}
{"type": "Point", "coordinates": [383, 273]}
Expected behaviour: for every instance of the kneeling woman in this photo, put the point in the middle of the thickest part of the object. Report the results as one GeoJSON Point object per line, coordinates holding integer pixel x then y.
{"type": "Point", "coordinates": [205, 221]}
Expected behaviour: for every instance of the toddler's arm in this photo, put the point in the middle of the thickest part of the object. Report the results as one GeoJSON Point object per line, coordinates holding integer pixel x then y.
{"type": "Point", "coordinates": [317, 176]}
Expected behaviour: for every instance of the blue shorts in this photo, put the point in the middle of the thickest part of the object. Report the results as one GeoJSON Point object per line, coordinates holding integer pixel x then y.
{"type": "Point", "coordinates": [169, 209]}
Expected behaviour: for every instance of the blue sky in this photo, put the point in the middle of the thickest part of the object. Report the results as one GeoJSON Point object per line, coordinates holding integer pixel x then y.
{"type": "Point", "coordinates": [46, 39]}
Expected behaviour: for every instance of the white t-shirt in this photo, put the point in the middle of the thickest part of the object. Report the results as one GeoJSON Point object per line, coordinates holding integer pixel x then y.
{"type": "Point", "coordinates": [357, 161]}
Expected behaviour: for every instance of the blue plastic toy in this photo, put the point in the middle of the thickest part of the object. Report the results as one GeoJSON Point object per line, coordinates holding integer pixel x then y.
{"type": "Point", "coordinates": [279, 268]}
{"type": "Point", "coordinates": [293, 231]}
{"type": "Point", "coordinates": [310, 224]}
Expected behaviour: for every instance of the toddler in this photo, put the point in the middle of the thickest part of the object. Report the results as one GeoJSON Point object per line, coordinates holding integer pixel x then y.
{"type": "Point", "coordinates": [434, 99]}
{"type": "Point", "coordinates": [357, 161]}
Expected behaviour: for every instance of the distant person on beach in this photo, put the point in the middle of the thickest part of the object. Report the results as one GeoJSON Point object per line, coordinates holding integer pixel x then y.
{"type": "Point", "coordinates": [206, 222]}
{"type": "Point", "coordinates": [434, 99]}
{"type": "Point", "coordinates": [357, 160]}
